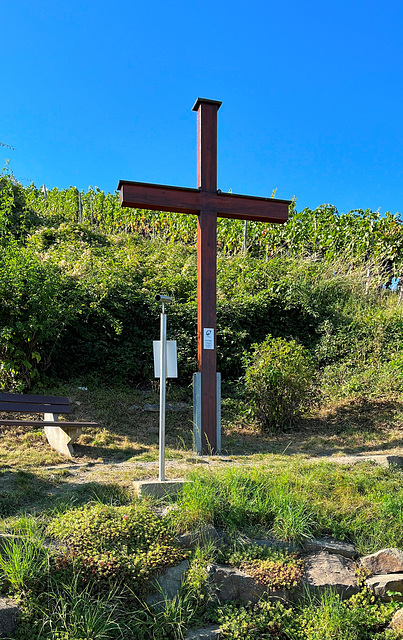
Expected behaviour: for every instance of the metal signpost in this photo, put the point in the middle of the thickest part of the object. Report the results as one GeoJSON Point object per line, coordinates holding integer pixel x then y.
{"type": "Point", "coordinates": [161, 371]}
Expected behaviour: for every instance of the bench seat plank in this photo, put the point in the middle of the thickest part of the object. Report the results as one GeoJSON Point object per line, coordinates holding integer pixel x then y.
{"type": "Point", "coordinates": [16, 397]}
{"type": "Point", "coordinates": [47, 423]}
{"type": "Point", "coordinates": [34, 408]}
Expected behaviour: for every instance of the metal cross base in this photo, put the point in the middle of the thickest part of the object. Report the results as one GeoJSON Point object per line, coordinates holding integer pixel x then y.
{"type": "Point", "coordinates": [197, 413]}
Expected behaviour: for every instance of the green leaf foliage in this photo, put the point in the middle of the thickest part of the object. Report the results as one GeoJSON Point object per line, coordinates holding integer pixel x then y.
{"type": "Point", "coordinates": [278, 380]}
{"type": "Point", "coordinates": [78, 276]}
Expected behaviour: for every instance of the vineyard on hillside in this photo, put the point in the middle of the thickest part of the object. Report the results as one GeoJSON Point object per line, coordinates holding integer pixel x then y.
{"type": "Point", "coordinates": [363, 236]}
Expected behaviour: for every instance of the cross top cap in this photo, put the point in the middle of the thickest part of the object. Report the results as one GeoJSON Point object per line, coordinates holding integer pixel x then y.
{"type": "Point", "coordinates": [200, 101]}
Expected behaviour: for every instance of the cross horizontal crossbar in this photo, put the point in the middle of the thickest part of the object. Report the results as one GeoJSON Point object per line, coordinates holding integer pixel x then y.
{"type": "Point", "coordinates": [158, 197]}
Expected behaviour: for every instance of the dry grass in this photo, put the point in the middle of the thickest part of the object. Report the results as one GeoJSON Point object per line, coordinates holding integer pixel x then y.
{"type": "Point", "coordinates": [347, 427]}
{"type": "Point", "coordinates": [125, 445]}
{"type": "Point", "coordinates": [127, 433]}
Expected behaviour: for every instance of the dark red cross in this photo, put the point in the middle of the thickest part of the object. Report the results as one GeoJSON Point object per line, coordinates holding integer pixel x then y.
{"type": "Point", "coordinates": [207, 203]}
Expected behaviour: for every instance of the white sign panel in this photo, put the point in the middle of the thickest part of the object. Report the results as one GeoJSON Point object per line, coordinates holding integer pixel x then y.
{"type": "Point", "coordinates": [172, 362]}
{"type": "Point", "coordinates": [208, 339]}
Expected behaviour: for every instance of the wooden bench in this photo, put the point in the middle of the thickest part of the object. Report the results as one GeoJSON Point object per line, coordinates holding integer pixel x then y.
{"type": "Point", "coordinates": [61, 435]}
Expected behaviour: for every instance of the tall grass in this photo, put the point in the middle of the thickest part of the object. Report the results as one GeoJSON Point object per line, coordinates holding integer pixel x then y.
{"type": "Point", "coordinates": [73, 612]}
{"type": "Point", "coordinates": [295, 501]}
{"type": "Point", "coordinates": [327, 617]}
{"type": "Point", "coordinates": [252, 501]}
{"type": "Point", "coordinates": [23, 559]}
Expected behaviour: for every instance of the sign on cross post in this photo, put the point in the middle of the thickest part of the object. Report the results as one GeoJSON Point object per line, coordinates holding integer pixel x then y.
{"type": "Point", "coordinates": [207, 203]}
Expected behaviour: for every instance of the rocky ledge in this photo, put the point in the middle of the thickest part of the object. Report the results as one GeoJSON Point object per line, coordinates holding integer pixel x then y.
{"type": "Point", "coordinates": [328, 564]}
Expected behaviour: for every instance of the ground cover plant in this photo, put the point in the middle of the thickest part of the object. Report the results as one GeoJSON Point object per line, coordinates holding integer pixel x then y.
{"type": "Point", "coordinates": [325, 618]}
{"type": "Point", "coordinates": [272, 567]}
{"type": "Point", "coordinates": [92, 580]}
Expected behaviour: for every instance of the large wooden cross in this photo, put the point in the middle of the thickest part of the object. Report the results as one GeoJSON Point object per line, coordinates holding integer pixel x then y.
{"type": "Point", "coordinates": [207, 203]}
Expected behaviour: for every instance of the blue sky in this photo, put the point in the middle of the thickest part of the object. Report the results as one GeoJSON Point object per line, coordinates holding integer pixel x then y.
{"type": "Point", "coordinates": [93, 92]}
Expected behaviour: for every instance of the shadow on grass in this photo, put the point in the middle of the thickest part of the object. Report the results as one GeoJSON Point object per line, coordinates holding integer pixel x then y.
{"type": "Point", "coordinates": [351, 427]}
{"type": "Point", "coordinates": [23, 492]}
{"type": "Point", "coordinates": [106, 454]}
{"type": "Point", "coordinates": [137, 440]}
{"type": "Point", "coordinates": [127, 432]}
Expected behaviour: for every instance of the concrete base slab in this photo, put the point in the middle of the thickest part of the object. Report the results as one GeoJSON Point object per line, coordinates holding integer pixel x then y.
{"type": "Point", "coordinates": [158, 488]}
{"type": "Point", "coordinates": [395, 460]}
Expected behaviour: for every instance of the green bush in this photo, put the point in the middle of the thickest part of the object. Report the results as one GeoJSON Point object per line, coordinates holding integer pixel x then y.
{"type": "Point", "coordinates": [278, 382]}
{"type": "Point", "coordinates": [37, 304]}
{"type": "Point", "coordinates": [78, 290]}
{"type": "Point", "coordinates": [16, 217]}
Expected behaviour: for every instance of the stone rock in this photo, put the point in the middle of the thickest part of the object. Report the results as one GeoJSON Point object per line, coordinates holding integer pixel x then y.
{"type": "Point", "coordinates": [154, 408]}
{"type": "Point", "coordinates": [168, 584]}
{"type": "Point", "coordinates": [331, 546]}
{"type": "Point", "coordinates": [208, 633]}
{"type": "Point", "coordinates": [384, 561]}
{"type": "Point", "coordinates": [158, 488]}
{"type": "Point", "coordinates": [8, 617]}
{"type": "Point", "coordinates": [380, 585]}
{"type": "Point", "coordinates": [397, 461]}
{"type": "Point", "coordinates": [230, 584]}
{"type": "Point", "coordinates": [324, 571]}
{"type": "Point", "coordinates": [164, 510]}
{"type": "Point", "coordinates": [199, 538]}
{"type": "Point", "coordinates": [397, 621]}
{"type": "Point", "coordinates": [179, 406]}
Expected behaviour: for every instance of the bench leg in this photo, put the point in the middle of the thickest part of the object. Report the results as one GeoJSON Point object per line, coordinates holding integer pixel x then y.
{"type": "Point", "coordinates": [61, 438]}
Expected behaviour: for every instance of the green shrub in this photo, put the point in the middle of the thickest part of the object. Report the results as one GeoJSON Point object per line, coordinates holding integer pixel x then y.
{"type": "Point", "coordinates": [278, 382]}
{"type": "Point", "coordinates": [16, 217]}
{"type": "Point", "coordinates": [46, 237]}
{"type": "Point", "coordinates": [78, 290]}
{"type": "Point", "coordinates": [33, 314]}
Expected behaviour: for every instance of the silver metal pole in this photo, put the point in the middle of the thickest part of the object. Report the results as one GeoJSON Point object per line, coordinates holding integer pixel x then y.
{"type": "Point", "coordinates": [163, 379]}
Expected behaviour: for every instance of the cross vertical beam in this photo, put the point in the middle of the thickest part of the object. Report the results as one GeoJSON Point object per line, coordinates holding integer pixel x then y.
{"type": "Point", "coordinates": [207, 143]}
{"type": "Point", "coordinates": [206, 269]}
{"type": "Point", "coordinates": [206, 319]}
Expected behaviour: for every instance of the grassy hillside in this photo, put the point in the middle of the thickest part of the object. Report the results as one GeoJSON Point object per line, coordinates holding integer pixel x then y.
{"type": "Point", "coordinates": [79, 296]}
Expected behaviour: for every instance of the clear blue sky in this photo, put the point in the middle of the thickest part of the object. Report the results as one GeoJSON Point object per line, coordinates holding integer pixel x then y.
{"type": "Point", "coordinates": [93, 92]}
